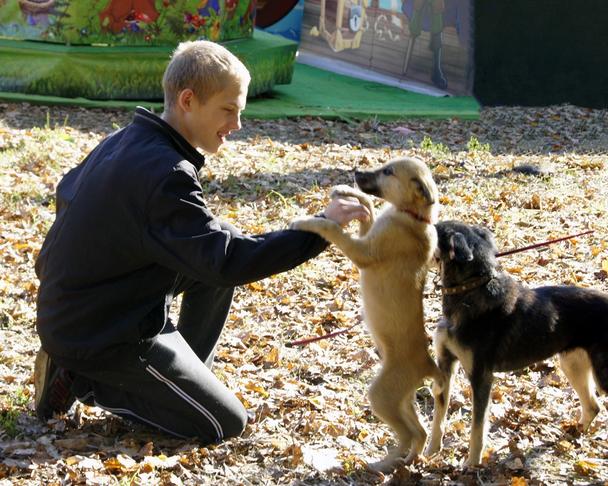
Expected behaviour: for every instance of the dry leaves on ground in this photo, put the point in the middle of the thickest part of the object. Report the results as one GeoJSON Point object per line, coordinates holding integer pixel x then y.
{"type": "Point", "coordinates": [313, 424]}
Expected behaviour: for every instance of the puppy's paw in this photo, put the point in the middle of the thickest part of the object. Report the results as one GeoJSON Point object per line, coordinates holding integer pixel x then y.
{"type": "Point", "coordinates": [314, 225]}
{"type": "Point", "coordinates": [300, 224]}
{"type": "Point", "coordinates": [432, 448]}
{"type": "Point", "coordinates": [342, 190]}
{"type": "Point", "coordinates": [392, 461]}
{"type": "Point", "coordinates": [386, 465]}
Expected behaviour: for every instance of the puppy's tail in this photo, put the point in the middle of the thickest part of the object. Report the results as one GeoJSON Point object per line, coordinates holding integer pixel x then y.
{"type": "Point", "coordinates": [599, 362]}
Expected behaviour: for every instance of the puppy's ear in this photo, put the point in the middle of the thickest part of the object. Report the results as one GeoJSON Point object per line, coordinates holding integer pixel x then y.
{"type": "Point", "coordinates": [424, 190]}
{"type": "Point", "coordinates": [459, 249]}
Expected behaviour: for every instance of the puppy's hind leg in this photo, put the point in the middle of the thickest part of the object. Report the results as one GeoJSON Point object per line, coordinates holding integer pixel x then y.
{"type": "Point", "coordinates": [441, 392]}
{"type": "Point", "coordinates": [417, 432]}
{"type": "Point", "coordinates": [386, 395]}
{"type": "Point", "coordinates": [576, 365]}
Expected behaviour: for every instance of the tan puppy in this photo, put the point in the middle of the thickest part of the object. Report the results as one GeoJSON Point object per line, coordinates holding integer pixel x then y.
{"type": "Point", "coordinates": [393, 253]}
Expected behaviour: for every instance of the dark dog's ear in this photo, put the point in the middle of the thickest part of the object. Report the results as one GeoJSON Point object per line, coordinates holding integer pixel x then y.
{"type": "Point", "coordinates": [484, 233]}
{"type": "Point", "coordinates": [424, 190]}
{"type": "Point", "coordinates": [459, 249]}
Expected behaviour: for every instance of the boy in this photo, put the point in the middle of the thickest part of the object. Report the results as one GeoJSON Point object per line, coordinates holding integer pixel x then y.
{"type": "Point", "coordinates": [132, 232]}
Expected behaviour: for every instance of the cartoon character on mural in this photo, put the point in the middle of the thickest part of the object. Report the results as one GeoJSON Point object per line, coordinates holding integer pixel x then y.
{"type": "Point", "coordinates": [121, 14]}
{"type": "Point", "coordinates": [407, 19]}
{"type": "Point", "coordinates": [389, 22]}
{"type": "Point", "coordinates": [341, 36]}
{"type": "Point", "coordinates": [37, 12]}
{"type": "Point", "coordinates": [418, 15]}
{"type": "Point", "coordinates": [429, 12]}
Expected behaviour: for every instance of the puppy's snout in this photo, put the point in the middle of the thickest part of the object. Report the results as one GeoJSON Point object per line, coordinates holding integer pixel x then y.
{"type": "Point", "coordinates": [362, 176]}
{"type": "Point", "coordinates": [367, 182]}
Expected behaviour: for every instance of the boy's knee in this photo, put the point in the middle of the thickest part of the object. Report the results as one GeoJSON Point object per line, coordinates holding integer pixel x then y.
{"type": "Point", "coordinates": [228, 423]}
{"type": "Point", "coordinates": [235, 420]}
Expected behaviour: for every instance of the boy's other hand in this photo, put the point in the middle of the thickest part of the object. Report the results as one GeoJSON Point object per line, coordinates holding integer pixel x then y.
{"type": "Point", "coordinates": [343, 210]}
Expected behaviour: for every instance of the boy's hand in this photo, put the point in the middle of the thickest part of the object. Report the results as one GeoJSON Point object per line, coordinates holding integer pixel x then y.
{"type": "Point", "coordinates": [343, 210]}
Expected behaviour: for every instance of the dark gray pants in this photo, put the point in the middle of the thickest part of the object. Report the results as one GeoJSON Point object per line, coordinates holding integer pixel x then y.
{"type": "Point", "coordinates": [170, 386]}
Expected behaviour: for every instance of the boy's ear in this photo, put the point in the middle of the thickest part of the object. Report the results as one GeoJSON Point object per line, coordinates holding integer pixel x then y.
{"type": "Point", "coordinates": [459, 249]}
{"type": "Point", "coordinates": [184, 99]}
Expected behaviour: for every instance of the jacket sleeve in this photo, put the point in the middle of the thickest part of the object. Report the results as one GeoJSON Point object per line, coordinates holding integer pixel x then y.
{"type": "Point", "coordinates": [181, 233]}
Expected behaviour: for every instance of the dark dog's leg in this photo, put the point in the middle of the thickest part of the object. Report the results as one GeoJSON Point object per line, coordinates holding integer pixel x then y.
{"type": "Point", "coordinates": [481, 383]}
{"type": "Point", "coordinates": [441, 390]}
{"type": "Point", "coordinates": [576, 365]}
{"type": "Point", "coordinates": [599, 362]}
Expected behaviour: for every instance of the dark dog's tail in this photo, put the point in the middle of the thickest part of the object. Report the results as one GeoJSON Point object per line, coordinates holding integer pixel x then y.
{"type": "Point", "coordinates": [598, 353]}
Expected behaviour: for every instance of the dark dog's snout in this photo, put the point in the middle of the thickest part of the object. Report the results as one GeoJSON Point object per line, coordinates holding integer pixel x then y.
{"type": "Point", "coordinates": [367, 182]}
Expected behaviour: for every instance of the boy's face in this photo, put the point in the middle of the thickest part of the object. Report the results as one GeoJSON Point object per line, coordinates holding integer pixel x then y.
{"type": "Point", "coordinates": [208, 124]}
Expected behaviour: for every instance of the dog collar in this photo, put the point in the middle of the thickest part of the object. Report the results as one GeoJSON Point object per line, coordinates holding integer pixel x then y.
{"type": "Point", "coordinates": [469, 285]}
{"type": "Point", "coordinates": [416, 216]}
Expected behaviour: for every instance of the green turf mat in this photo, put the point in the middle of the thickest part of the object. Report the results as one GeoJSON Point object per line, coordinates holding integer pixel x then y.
{"type": "Point", "coordinates": [321, 93]}
{"type": "Point", "coordinates": [314, 92]}
{"type": "Point", "coordinates": [156, 106]}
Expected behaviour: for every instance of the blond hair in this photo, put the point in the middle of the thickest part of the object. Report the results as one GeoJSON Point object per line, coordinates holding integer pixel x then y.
{"type": "Point", "coordinates": [203, 66]}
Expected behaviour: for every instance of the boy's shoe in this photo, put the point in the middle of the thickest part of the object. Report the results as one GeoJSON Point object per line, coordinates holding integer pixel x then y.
{"type": "Point", "coordinates": [53, 387]}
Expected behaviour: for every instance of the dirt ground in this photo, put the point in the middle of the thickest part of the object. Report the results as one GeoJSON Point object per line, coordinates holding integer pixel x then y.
{"type": "Point", "coordinates": [313, 421]}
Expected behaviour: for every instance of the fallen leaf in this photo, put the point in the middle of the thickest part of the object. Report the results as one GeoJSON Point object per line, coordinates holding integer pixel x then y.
{"type": "Point", "coordinates": [322, 459]}
{"type": "Point", "coordinates": [254, 387]}
{"type": "Point", "coordinates": [75, 444]}
{"type": "Point", "coordinates": [585, 467]}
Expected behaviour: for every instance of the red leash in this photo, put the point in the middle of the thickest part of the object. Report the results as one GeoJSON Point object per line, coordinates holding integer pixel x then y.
{"type": "Point", "coordinates": [304, 342]}
{"type": "Point", "coordinates": [544, 243]}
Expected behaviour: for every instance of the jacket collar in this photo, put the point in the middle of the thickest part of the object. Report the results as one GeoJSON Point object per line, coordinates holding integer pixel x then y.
{"type": "Point", "coordinates": [145, 117]}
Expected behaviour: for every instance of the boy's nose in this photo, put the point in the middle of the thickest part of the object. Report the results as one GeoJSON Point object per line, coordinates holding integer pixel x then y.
{"type": "Point", "coordinates": [236, 125]}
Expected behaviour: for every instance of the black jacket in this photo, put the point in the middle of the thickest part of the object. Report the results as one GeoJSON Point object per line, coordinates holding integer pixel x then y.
{"type": "Point", "coordinates": [130, 218]}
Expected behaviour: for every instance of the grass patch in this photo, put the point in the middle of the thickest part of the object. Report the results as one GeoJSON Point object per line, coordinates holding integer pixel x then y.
{"type": "Point", "coordinates": [474, 145]}
{"type": "Point", "coordinates": [11, 410]}
{"type": "Point", "coordinates": [435, 149]}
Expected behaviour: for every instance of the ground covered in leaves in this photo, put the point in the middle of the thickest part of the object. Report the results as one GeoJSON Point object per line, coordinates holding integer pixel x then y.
{"type": "Point", "coordinates": [313, 423]}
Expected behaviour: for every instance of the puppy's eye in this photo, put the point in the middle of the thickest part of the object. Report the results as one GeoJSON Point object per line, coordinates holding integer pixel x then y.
{"type": "Point", "coordinates": [388, 171]}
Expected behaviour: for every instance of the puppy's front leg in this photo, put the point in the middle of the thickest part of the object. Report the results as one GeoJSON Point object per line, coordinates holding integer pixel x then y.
{"type": "Point", "coordinates": [343, 190]}
{"type": "Point", "coordinates": [356, 249]}
{"type": "Point", "coordinates": [441, 390]}
{"type": "Point", "coordinates": [481, 383]}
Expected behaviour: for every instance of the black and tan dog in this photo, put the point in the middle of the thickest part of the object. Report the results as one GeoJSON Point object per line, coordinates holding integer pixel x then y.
{"type": "Point", "coordinates": [493, 323]}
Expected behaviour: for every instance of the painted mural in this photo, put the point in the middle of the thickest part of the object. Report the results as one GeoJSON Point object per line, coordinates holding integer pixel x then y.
{"type": "Point", "coordinates": [126, 22]}
{"type": "Point", "coordinates": [280, 17]}
{"type": "Point", "coordinates": [421, 40]}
